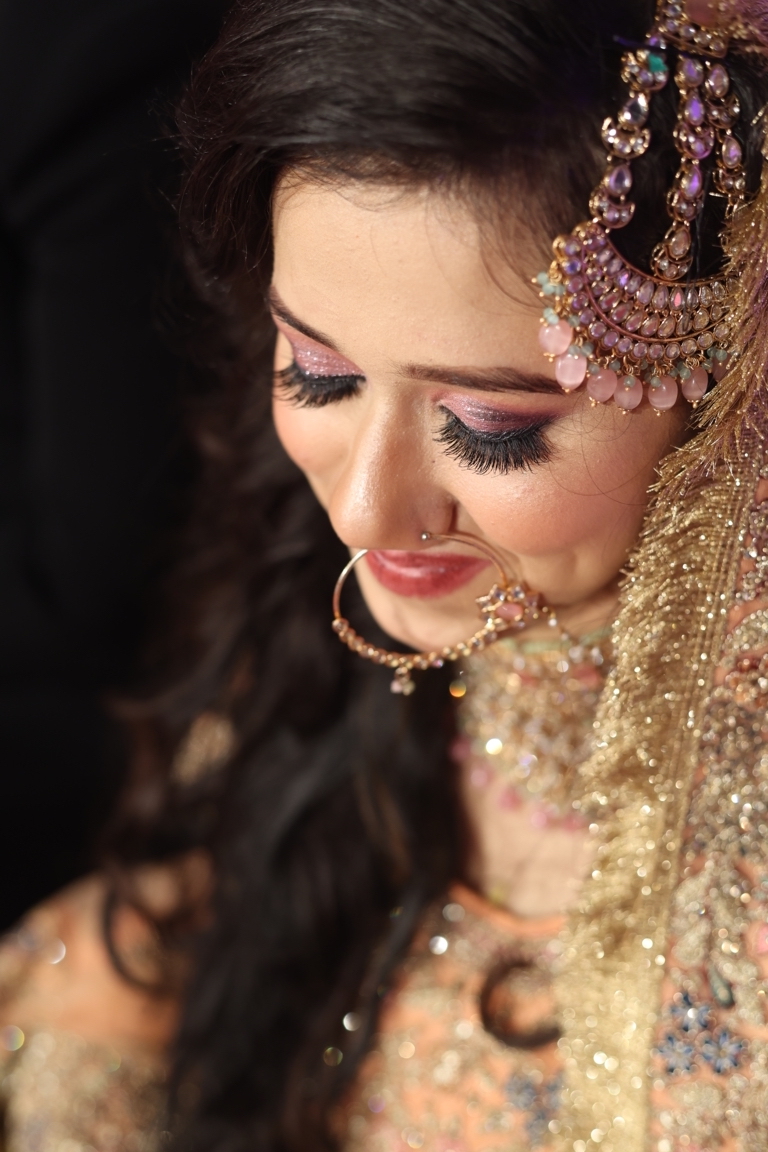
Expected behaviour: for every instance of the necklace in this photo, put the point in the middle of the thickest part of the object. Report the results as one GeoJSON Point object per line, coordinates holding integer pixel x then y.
{"type": "Point", "coordinates": [526, 718]}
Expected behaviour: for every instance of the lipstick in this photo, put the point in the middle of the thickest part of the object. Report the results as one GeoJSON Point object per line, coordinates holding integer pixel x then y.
{"type": "Point", "coordinates": [426, 575]}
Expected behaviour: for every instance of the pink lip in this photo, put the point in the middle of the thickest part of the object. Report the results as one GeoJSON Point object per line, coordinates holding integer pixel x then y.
{"type": "Point", "coordinates": [423, 574]}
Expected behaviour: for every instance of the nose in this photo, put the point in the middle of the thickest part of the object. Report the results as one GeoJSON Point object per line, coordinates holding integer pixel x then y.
{"type": "Point", "coordinates": [385, 495]}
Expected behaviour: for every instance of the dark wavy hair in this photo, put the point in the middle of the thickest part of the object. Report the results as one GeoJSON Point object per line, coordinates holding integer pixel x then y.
{"type": "Point", "coordinates": [336, 820]}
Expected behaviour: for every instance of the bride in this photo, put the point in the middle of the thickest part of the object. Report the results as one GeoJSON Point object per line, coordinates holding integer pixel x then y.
{"type": "Point", "coordinates": [447, 827]}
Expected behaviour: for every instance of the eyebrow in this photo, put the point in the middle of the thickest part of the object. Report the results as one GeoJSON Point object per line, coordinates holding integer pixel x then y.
{"type": "Point", "coordinates": [283, 313]}
{"type": "Point", "coordinates": [490, 380]}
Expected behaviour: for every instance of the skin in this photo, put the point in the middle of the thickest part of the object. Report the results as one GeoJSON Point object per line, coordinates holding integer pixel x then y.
{"type": "Point", "coordinates": [392, 279]}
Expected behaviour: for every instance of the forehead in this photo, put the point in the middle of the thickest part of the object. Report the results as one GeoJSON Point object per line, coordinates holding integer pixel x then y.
{"type": "Point", "coordinates": [414, 263]}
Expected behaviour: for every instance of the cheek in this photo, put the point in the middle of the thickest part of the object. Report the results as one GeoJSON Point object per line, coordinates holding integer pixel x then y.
{"type": "Point", "coordinates": [312, 439]}
{"type": "Point", "coordinates": [591, 497]}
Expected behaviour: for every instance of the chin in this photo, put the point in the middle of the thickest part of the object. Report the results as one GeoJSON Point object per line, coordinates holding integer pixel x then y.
{"type": "Point", "coordinates": [421, 626]}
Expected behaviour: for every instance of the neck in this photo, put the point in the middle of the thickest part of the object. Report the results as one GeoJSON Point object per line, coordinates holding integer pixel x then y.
{"type": "Point", "coordinates": [578, 620]}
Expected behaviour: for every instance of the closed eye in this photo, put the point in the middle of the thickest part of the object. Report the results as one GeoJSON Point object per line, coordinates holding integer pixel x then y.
{"type": "Point", "coordinates": [306, 390]}
{"type": "Point", "coordinates": [501, 452]}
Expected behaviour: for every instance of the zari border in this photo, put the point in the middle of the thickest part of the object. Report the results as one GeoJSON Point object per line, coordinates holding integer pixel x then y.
{"type": "Point", "coordinates": [637, 785]}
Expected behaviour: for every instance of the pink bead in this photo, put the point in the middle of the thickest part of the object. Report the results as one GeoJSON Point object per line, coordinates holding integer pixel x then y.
{"type": "Point", "coordinates": [696, 385]}
{"type": "Point", "coordinates": [570, 370]}
{"type": "Point", "coordinates": [761, 940]}
{"type": "Point", "coordinates": [555, 338]}
{"type": "Point", "coordinates": [629, 393]}
{"type": "Point", "coordinates": [602, 385]}
{"type": "Point", "coordinates": [721, 368]}
{"type": "Point", "coordinates": [664, 395]}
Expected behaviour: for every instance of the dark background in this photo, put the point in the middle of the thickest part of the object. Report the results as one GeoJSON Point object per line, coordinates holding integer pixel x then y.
{"type": "Point", "coordinates": [92, 459]}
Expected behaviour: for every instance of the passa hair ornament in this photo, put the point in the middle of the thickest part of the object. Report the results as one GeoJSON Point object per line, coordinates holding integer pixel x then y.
{"type": "Point", "coordinates": [608, 323]}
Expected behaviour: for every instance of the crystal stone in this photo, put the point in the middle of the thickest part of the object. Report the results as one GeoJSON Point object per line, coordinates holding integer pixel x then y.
{"type": "Point", "coordinates": [611, 299]}
{"type": "Point", "coordinates": [645, 292]}
{"type": "Point", "coordinates": [667, 327]}
{"type": "Point", "coordinates": [575, 284]}
{"type": "Point", "coordinates": [621, 311]}
{"type": "Point", "coordinates": [684, 209]}
{"type": "Point", "coordinates": [705, 295]}
{"type": "Point", "coordinates": [633, 322]}
{"type": "Point", "coordinates": [680, 243]}
{"type": "Point", "coordinates": [692, 299]}
{"type": "Point", "coordinates": [586, 317]}
{"type": "Point", "coordinates": [697, 143]}
{"type": "Point", "coordinates": [672, 352]}
{"type": "Point", "coordinates": [624, 345]}
{"type": "Point", "coordinates": [623, 278]}
{"type": "Point", "coordinates": [701, 319]}
{"type": "Point", "coordinates": [634, 283]}
{"type": "Point", "coordinates": [611, 338]}
{"type": "Point", "coordinates": [722, 332]}
{"type": "Point", "coordinates": [731, 152]}
{"type": "Point", "coordinates": [635, 112]}
{"type": "Point", "coordinates": [676, 299]}
{"type": "Point", "coordinates": [691, 181]}
{"type": "Point", "coordinates": [718, 290]}
{"type": "Point", "coordinates": [640, 350]}
{"type": "Point", "coordinates": [690, 72]}
{"type": "Point", "coordinates": [689, 347]}
{"type": "Point", "coordinates": [572, 247]}
{"type": "Point", "coordinates": [660, 298]}
{"type": "Point", "coordinates": [615, 266]}
{"type": "Point", "coordinates": [717, 82]}
{"type": "Point", "coordinates": [619, 180]}
{"type": "Point", "coordinates": [597, 329]}
{"type": "Point", "coordinates": [684, 324]}
{"type": "Point", "coordinates": [649, 326]}
{"type": "Point", "coordinates": [656, 352]}
{"type": "Point", "coordinates": [725, 115]}
{"type": "Point", "coordinates": [694, 110]}
{"type": "Point", "coordinates": [706, 340]}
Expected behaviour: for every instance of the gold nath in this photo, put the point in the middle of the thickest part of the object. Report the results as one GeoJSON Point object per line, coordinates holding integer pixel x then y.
{"type": "Point", "coordinates": [530, 607]}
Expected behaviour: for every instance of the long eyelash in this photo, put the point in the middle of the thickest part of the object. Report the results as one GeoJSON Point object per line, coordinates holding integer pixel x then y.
{"type": "Point", "coordinates": [307, 391]}
{"type": "Point", "coordinates": [484, 452]}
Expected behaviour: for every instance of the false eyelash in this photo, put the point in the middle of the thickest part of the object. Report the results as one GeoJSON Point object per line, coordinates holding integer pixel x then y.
{"type": "Point", "coordinates": [308, 391]}
{"type": "Point", "coordinates": [485, 452]}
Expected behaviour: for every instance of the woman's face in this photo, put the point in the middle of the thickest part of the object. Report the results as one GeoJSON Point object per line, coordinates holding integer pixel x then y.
{"type": "Point", "coordinates": [413, 394]}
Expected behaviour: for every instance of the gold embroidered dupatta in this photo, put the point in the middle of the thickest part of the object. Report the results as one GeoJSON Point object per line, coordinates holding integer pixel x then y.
{"type": "Point", "coordinates": [678, 789]}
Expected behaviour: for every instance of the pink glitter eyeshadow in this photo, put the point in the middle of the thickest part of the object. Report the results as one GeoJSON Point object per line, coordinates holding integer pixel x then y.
{"type": "Point", "coordinates": [315, 359]}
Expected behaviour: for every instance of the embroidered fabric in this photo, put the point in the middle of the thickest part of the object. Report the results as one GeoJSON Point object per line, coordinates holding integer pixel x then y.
{"type": "Point", "coordinates": [60, 1092]}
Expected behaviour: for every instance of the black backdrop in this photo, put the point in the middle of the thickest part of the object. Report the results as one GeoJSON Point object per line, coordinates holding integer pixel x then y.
{"type": "Point", "coordinates": [90, 429]}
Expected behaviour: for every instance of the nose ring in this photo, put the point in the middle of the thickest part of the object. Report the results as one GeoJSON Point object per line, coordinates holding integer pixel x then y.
{"type": "Point", "coordinates": [530, 604]}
